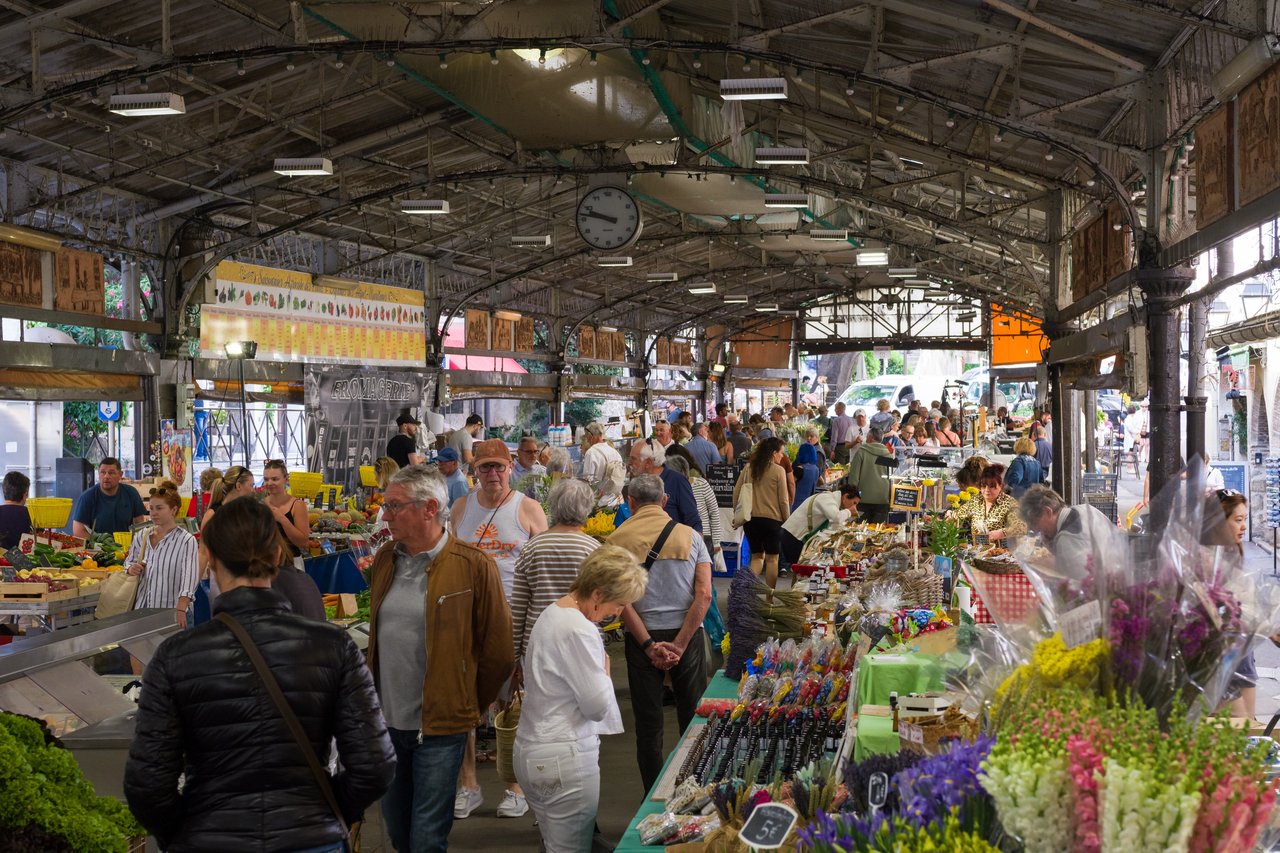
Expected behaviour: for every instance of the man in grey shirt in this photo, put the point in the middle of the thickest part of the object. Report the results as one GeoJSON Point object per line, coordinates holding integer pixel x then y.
{"type": "Point", "coordinates": [664, 628]}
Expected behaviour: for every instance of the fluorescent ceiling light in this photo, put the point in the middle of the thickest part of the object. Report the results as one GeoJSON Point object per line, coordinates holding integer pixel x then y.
{"type": "Point", "coordinates": [786, 199]}
{"type": "Point", "coordinates": [911, 162]}
{"type": "Point", "coordinates": [736, 299]}
{"type": "Point", "coordinates": [335, 282]}
{"type": "Point", "coordinates": [702, 288]}
{"type": "Point", "coordinates": [754, 89]}
{"type": "Point", "coordinates": [607, 329]}
{"type": "Point", "coordinates": [782, 156]}
{"type": "Point", "coordinates": [717, 368]}
{"type": "Point", "coordinates": [1257, 57]}
{"type": "Point", "coordinates": [768, 307]}
{"type": "Point", "coordinates": [296, 166]}
{"type": "Point", "coordinates": [662, 276]}
{"type": "Point", "coordinates": [918, 282]}
{"type": "Point", "coordinates": [833, 235]}
{"type": "Point", "coordinates": [619, 261]}
{"type": "Point", "coordinates": [873, 258]}
{"type": "Point", "coordinates": [148, 104]}
{"type": "Point", "coordinates": [902, 272]}
{"type": "Point", "coordinates": [426, 206]}
{"type": "Point", "coordinates": [541, 241]}
{"type": "Point", "coordinates": [504, 314]}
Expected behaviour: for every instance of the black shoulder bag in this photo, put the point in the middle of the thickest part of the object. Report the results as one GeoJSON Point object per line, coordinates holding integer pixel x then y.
{"type": "Point", "coordinates": [290, 719]}
{"type": "Point", "coordinates": [657, 545]}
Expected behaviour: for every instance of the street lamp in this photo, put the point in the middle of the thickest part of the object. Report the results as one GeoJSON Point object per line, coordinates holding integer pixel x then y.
{"type": "Point", "coordinates": [239, 351]}
{"type": "Point", "coordinates": [1255, 297]}
{"type": "Point", "coordinates": [1219, 313]}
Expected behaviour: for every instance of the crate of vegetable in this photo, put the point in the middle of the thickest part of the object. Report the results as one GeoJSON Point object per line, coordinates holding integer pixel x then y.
{"type": "Point", "coordinates": [37, 586]}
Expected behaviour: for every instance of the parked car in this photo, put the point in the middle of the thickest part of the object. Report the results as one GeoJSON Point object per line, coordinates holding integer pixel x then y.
{"type": "Point", "coordinates": [899, 390]}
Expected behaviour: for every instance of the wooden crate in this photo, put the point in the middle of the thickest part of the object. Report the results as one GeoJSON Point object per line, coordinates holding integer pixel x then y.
{"type": "Point", "coordinates": [37, 592]}
{"type": "Point", "coordinates": [89, 573]}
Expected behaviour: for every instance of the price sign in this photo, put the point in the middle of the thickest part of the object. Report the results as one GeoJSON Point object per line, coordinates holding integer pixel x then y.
{"type": "Point", "coordinates": [877, 791]}
{"type": "Point", "coordinates": [905, 499]}
{"type": "Point", "coordinates": [722, 479]}
{"type": "Point", "coordinates": [768, 826]}
{"type": "Point", "coordinates": [18, 560]}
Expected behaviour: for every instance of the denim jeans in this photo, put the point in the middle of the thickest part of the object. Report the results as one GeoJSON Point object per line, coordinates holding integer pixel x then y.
{"type": "Point", "coordinates": [418, 808]}
{"type": "Point", "coordinates": [688, 681]}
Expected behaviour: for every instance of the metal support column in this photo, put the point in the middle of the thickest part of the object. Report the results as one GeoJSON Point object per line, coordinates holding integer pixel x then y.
{"type": "Point", "coordinates": [1160, 287]}
{"type": "Point", "coordinates": [1090, 401]}
{"type": "Point", "coordinates": [1196, 402]}
{"type": "Point", "coordinates": [1064, 410]}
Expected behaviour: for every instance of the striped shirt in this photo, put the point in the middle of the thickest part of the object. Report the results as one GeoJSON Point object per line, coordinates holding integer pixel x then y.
{"type": "Point", "coordinates": [171, 571]}
{"type": "Point", "coordinates": [546, 568]}
{"type": "Point", "coordinates": [708, 509]}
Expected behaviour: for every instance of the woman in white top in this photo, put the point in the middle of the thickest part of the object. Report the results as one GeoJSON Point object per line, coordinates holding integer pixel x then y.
{"type": "Point", "coordinates": [164, 558]}
{"type": "Point", "coordinates": [569, 700]}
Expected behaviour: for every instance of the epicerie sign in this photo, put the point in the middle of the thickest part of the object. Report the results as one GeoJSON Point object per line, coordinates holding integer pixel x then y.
{"type": "Point", "coordinates": [374, 388]}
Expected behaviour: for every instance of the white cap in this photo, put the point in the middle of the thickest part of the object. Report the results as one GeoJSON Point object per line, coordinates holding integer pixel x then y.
{"type": "Point", "coordinates": [857, 412]}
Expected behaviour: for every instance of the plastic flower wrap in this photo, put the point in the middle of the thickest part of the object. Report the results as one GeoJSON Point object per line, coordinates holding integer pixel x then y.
{"type": "Point", "coordinates": [600, 525]}
{"type": "Point", "coordinates": [1176, 608]}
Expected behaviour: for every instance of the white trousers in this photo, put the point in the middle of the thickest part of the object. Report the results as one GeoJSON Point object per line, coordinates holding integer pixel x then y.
{"type": "Point", "coordinates": [561, 781]}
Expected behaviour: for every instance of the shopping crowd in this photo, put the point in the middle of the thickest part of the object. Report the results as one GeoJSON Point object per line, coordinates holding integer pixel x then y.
{"type": "Point", "coordinates": [480, 593]}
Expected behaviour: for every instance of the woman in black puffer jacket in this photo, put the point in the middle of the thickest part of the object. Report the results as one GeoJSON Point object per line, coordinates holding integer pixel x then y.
{"type": "Point", "coordinates": [204, 712]}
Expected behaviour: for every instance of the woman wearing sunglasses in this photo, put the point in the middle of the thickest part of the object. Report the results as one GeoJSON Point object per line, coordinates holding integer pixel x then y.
{"type": "Point", "coordinates": [164, 558]}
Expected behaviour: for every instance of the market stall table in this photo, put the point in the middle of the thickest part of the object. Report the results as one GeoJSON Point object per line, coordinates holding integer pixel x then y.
{"type": "Point", "coordinates": [720, 687]}
{"type": "Point", "coordinates": [878, 676]}
{"type": "Point", "coordinates": [60, 613]}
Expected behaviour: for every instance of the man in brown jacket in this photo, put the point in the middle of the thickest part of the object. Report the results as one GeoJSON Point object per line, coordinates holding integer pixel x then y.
{"type": "Point", "coordinates": [437, 605]}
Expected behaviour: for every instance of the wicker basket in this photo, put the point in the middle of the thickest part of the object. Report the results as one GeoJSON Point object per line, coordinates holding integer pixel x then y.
{"type": "Point", "coordinates": [922, 588]}
{"type": "Point", "coordinates": [505, 723]}
{"type": "Point", "coordinates": [996, 567]}
{"type": "Point", "coordinates": [926, 733]}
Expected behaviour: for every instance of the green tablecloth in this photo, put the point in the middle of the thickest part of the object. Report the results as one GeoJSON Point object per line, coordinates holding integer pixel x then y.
{"type": "Point", "coordinates": [875, 736]}
{"type": "Point", "coordinates": [720, 687]}
{"type": "Point", "coordinates": [880, 675]}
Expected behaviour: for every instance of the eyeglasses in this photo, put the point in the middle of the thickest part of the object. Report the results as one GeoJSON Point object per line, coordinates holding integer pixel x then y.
{"type": "Point", "coordinates": [161, 492]}
{"type": "Point", "coordinates": [394, 507]}
{"type": "Point", "coordinates": [275, 463]}
{"type": "Point", "coordinates": [489, 468]}
{"type": "Point", "coordinates": [1228, 493]}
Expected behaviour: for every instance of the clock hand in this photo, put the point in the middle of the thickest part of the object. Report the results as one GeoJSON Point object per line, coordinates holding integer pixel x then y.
{"type": "Point", "coordinates": [595, 215]}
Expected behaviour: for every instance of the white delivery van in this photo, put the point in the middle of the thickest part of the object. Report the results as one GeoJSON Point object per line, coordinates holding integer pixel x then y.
{"type": "Point", "coordinates": [899, 390]}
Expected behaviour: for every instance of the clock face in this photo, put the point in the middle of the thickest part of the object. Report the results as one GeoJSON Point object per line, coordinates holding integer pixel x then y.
{"type": "Point", "coordinates": [608, 218]}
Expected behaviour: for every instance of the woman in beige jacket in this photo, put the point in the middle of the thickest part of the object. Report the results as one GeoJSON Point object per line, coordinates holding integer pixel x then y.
{"type": "Point", "coordinates": [769, 507]}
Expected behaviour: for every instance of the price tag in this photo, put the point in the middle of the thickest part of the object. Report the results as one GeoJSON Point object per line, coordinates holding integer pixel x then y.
{"type": "Point", "coordinates": [1081, 625]}
{"type": "Point", "coordinates": [877, 791]}
{"type": "Point", "coordinates": [18, 560]}
{"type": "Point", "coordinates": [768, 826]}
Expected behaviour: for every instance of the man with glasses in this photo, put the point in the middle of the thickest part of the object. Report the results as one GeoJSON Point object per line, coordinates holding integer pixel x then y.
{"type": "Point", "coordinates": [498, 521]}
{"type": "Point", "coordinates": [108, 507]}
{"type": "Point", "coordinates": [526, 469]}
{"type": "Point", "coordinates": [432, 598]}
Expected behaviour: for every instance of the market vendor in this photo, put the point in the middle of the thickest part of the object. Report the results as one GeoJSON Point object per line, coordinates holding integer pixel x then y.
{"type": "Point", "coordinates": [824, 509]}
{"type": "Point", "coordinates": [994, 514]}
{"type": "Point", "coordinates": [108, 507]}
{"type": "Point", "coordinates": [1075, 535]}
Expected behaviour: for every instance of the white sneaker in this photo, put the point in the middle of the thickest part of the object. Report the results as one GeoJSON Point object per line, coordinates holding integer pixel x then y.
{"type": "Point", "coordinates": [467, 801]}
{"type": "Point", "coordinates": [513, 805]}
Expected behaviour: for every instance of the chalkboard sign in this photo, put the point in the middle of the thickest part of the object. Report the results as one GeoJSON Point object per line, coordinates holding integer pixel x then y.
{"type": "Point", "coordinates": [768, 826]}
{"type": "Point", "coordinates": [905, 498]}
{"type": "Point", "coordinates": [722, 479]}
{"type": "Point", "coordinates": [1233, 475]}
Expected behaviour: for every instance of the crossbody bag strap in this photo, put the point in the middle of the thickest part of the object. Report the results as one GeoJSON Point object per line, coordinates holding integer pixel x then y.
{"type": "Point", "coordinates": [290, 718]}
{"type": "Point", "coordinates": [657, 545]}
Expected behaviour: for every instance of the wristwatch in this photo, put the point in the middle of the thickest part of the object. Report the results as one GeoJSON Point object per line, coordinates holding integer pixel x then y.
{"type": "Point", "coordinates": [644, 647]}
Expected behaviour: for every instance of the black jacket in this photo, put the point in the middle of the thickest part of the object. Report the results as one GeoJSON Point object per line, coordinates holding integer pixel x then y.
{"type": "Point", "coordinates": [204, 711]}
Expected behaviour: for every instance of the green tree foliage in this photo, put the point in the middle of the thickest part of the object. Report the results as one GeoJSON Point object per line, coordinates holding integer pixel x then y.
{"type": "Point", "coordinates": [897, 364]}
{"type": "Point", "coordinates": [872, 363]}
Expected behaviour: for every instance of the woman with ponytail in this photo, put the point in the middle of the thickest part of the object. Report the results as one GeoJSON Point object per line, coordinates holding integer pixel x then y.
{"type": "Point", "coordinates": [206, 713]}
{"type": "Point", "coordinates": [235, 482]}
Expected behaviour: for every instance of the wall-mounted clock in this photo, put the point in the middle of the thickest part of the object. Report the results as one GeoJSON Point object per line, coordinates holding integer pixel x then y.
{"type": "Point", "coordinates": [608, 218]}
